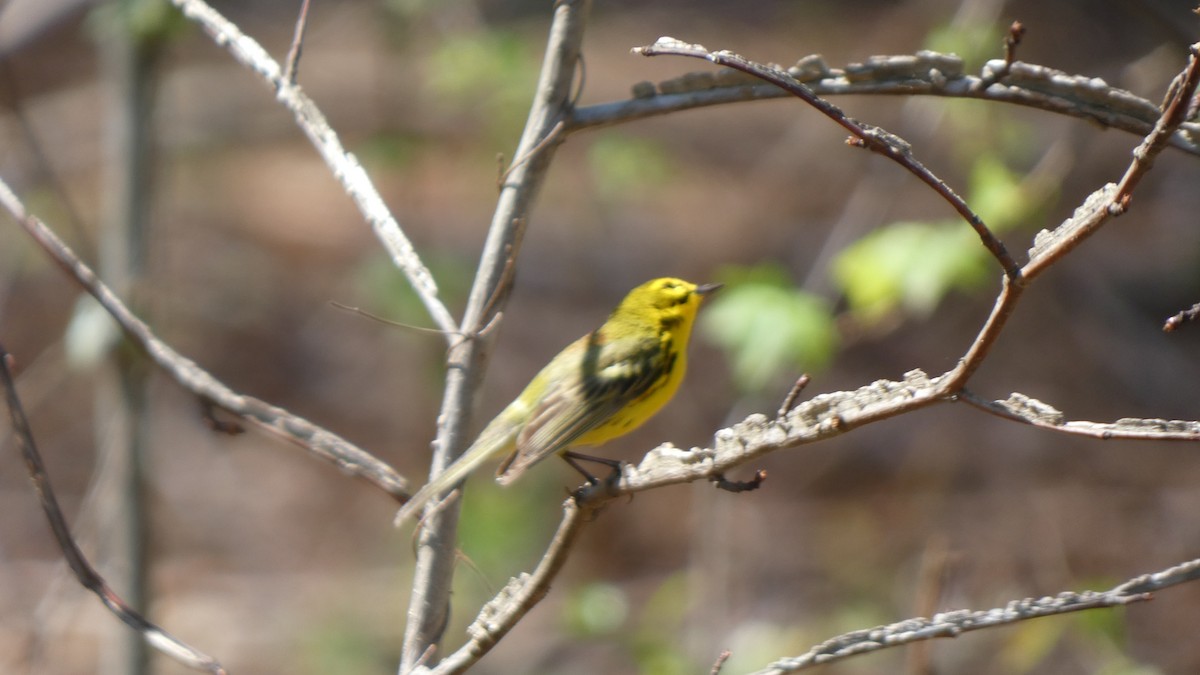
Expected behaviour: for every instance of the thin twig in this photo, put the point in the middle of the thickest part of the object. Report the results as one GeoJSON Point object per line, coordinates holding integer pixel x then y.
{"type": "Point", "coordinates": [1015, 33]}
{"type": "Point", "coordinates": [520, 595]}
{"type": "Point", "coordinates": [342, 164]}
{"type": "Point", "coordinates": [955, 623]}
{"type": "Point", "coordinates": [789, 401]}
{"type": "Point", "coordinates": [318, 441]}
{"type": "Point", "coordinates": [359, 311]}
{"type": "Point", "coordinates": [723, 483]}
{"type": "Point", "coordinates": [866, 136]}
{"type": "Point", "coordinates": [1186, 316]}
{"type": "Point", "coordinates": [551, 137]}
{"type": "Point", "coordinates": [87, 575]}
{"type": "Point", "coordinates": [292, 70]}
{"type": "Point", "coordinates": [1011, 39]}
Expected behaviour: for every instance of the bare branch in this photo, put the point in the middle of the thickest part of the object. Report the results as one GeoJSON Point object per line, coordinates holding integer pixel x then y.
{"type": "Point", "coordinates": [1175, 322]}
{"type": "Point", "coordinates": [1021, 408]}
{"type": "Point", "coordinates": [324, 444]}
{"type": "Point", "coordinates": [955, 623]}
{"type": "Point", "coordinates": [292, 71]}
{"type": "Point", "coordinates": [1110, 200]}
{"type": "Point", "coordinates": [520, 594]}
{"type": "Point", "coordinates": [866, 136]}
{"type": "Point", "coordinates": [539, 142]}
{"type": "Point", "coordinates": [87, 575]}
{"type": "Point", "coordinates": [345, 166]}
{"type": "Point", "coordinates": [922, 74]}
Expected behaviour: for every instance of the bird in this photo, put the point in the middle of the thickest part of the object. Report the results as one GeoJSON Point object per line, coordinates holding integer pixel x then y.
{"type": "Point", "coordinates": [600, 387]}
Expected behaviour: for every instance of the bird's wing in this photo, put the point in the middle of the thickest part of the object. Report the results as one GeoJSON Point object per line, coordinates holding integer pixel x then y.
{"type": "Point", "coordinates": [609, 377]}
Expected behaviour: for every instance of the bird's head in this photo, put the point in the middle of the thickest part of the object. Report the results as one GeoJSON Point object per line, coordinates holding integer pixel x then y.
{"type": "Point", "coordinates": [667, 303]}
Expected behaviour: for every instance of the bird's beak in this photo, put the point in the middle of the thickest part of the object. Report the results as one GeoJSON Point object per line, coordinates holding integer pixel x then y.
{"type": "Point", "coordinates": [707, 289]}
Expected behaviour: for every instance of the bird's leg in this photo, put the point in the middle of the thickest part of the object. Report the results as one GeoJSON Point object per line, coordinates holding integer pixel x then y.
{"type": "Point", "coordinates": [574, 459]}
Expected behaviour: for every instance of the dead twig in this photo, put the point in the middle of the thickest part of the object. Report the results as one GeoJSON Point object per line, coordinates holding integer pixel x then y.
{"type": "Point", "coordinates": [292, 69]}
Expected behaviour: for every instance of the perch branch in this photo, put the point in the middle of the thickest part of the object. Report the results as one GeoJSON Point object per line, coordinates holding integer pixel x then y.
{"type": "Point", "coordinates": [193, 378]}
{"type": "Point", "coordinates": [344, 165]}
{"type": "Point", "coordinates": [827, 415]}
{"type": "Point", "coordinates": [87, 575]}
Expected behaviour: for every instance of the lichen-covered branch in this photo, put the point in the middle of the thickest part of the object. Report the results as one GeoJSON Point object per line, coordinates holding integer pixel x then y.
{"type": "Point", "coordinates": [922, 74]}
{"type": "Point", "coordinates": [954, 623]}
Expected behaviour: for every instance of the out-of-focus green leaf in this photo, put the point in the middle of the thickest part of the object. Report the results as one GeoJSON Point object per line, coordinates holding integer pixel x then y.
{"type": "Point", "coordinates": [910, 266]}
{"type": "Point", "coordinates": [140, 20]}
{"type": "Point", "coordinates": [597, 609]}
{"type": "Point", "coordinates": [623, 166]}
{"type": "Point", "coordinates": [655, 644]}
{"type": "Point", "coordinates": [770, 329]}
{"type": "Point", "coordinates": [391, 150]}
{"type": "Point", "coordinates": [340, 645]}
{"type": "Point", "coordinates": [491, 74]}
{"type": "Point", "coordinates": [997, 195]}
{"type": "Point", "coordinates": [384, 290]}
{"type": "Point", "coordinates": [1030, 643]}
{"type": "Point", "coordinates": [501, 528]}
{"type": "Point", "coordinates": [974, 43]}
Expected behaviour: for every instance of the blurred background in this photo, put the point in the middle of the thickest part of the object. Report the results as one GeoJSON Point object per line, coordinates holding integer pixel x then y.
{"type": "Point", "coordinates": [839, 265]}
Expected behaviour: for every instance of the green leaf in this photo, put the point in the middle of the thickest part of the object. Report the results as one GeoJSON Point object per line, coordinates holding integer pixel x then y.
{"type": "Point", "coordinates": [909, 266]}
{"type": "Point", "coordinates": [622, 166]}
{"type": "Point", "coordinates": [1030, 643]}
{"type": "Point", "coordinates": [770, 329]}
{"type": "Point", "coordinates": [597, 609]}
{"type": "Point", "coordinates": [997, 194]}
{"type": "Point", "coordinates": [974, 43]}
{"type": "Point", "coordinates": [490, 74]}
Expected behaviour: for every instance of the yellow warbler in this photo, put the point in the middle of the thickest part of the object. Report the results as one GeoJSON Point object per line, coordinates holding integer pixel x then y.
{"type": "Point", "coordinates": [604, 385]}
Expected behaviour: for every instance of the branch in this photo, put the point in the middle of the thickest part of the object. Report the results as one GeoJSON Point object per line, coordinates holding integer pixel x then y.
{"type": "Point", "coordinates": [925, 73]}
{"type": "Point", "coordinates": [1021, 408]}
{"type": "Point", "coordinates": [955, 623]}
{"type": "Point", "coordinates": [345, 166]}
{"type": "Point", "coordinates": [324, 444]}
{"type": "Point", "coordinates": [552, 104]}
{"type": "Point", "coordinates": [827, 415]}
{"type": "Point", "coordinates": [870, 137]}
{"type": "Point", "coordinates": [1110, 200]}
{"type": "Point", "coordinates": [520, 594]}
{"type": "Point", "coordinates": [87, 575]}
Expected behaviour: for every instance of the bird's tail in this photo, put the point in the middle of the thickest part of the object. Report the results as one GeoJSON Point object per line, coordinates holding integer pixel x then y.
{"type": "Point", "coordinates": [496, 439]}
